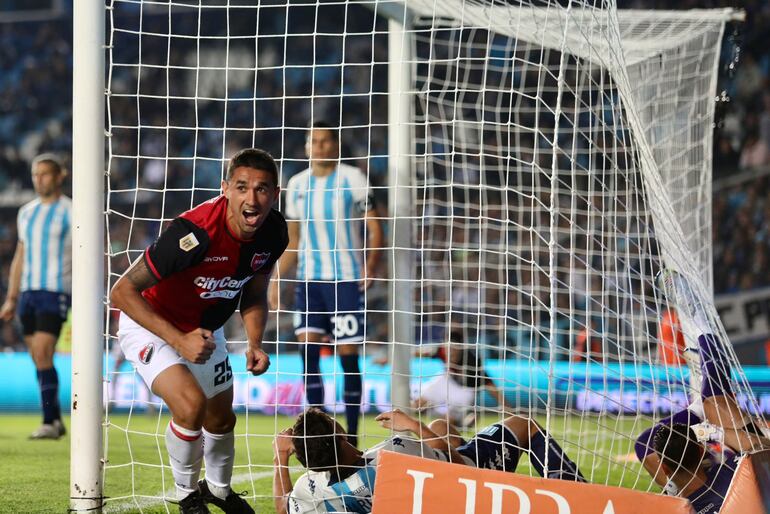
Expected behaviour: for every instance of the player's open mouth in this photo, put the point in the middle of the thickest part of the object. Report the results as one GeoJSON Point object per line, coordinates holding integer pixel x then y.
{"type": "Point", "coordinates": [251, 216]}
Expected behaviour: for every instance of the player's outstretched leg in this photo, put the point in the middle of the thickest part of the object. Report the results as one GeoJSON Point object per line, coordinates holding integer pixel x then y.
{"type": "Point", "coordinates": [716, 390]}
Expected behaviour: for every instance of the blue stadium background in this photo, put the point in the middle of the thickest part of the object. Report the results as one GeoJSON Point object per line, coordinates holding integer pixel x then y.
{"type": "Point", "coordinates": [36, 116]}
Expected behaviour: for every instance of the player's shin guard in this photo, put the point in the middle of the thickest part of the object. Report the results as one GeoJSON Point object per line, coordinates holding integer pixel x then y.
{"type": "Point", "coordinates": [715, 367]}
{"type": "Point", "coordinates": [48, 380]}
{"type": "Point", "coordinates": [559, 465]}
{"type": "Point", "coordinates": [219, 455]}
{"type": "Point", "coordinates": [185, 453]}
{"type": "Point", "coordinates": [314, 386]}
{"type": "Point", "coordinates": [352, 394]}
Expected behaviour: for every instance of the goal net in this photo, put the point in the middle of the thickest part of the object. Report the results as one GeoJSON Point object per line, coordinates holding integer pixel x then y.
{"type": "Point", "coordinates": [555, 157]}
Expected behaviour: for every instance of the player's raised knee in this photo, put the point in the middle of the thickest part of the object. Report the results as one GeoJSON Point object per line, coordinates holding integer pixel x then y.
{"type": "Point", "coordinates": [189, 408]}
{"type": "Point", "coordinates": [522, 426]}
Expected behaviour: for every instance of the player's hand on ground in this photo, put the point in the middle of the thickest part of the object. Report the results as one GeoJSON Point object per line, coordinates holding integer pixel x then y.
{"type": "Point", "coordinates": [283, 446]}
{"type": "Point", "coordinates": [257, 361]}
{"type": "Point", "coordinates": [196, 346]}
{"type": "Point", "coordinates": [8, 310]}
{"type": "Point", "coordinates": [397, 420]}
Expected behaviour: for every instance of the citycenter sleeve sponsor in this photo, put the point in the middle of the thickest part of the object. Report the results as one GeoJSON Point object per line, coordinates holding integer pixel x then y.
{"type": "Point", "coordinates": [225, 287]}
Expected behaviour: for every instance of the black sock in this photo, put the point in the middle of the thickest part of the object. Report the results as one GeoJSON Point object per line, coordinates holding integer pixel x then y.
{"type": "Point", "coordinates": [314, 386]}
{"type": "Point", "coordinates": [559, 465]}
{"type": "Point", "coordinates": [48, 380]}
{"type": "Point", "coordinates": [352, 394]}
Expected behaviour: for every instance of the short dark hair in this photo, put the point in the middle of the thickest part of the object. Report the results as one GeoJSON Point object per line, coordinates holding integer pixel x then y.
{"type": "Point", "coordinates": [253, 158]}
{"type": "Point", "coordinates": [325, 125]}
{"type": "Point", "coordinates": [678, 447]}
{"type": "Point", "coordinates": [48, 158]}
{"type": "Point", "coordinates": [316, 440]}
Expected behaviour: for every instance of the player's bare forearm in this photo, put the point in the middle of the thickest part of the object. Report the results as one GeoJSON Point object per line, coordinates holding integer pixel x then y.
{"type": "Point", "coordinates": [374, 242]}
{"type": "Point", "coordinates": [8, 309]}
{"type": "Point", "coordinates": [399, 420]}
{"type": "Point", "coordinates": [438, 443]}
{"type": "Point", "coordinates": [254, 309]}
{"type": "Point", "coordinates": [288, 260]}
{"type": "Point", "coordinates": [126, 295]}
{"type": "Point", "coordinates": [14, 279]}
{"type": "Point", "coordinates": [282, 485]}
{"type": "Point", "coordinates": [498, 394]}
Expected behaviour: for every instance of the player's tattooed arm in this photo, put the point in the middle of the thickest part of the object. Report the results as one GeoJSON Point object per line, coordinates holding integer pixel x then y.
{"type": "Point", "coordinates": [140, 276]}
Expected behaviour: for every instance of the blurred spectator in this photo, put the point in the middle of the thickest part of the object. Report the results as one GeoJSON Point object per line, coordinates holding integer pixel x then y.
{"type": "Point", "coordinates": [158, 169]}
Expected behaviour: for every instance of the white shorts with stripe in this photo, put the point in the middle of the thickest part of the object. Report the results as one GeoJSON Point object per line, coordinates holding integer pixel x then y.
{"type": "Point", "coordinates": [150, 355]}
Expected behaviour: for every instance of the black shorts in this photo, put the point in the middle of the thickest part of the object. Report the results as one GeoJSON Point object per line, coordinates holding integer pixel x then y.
{"type": "Point", "coordinates": [43, 311]}
{"type": "Point", "coordinates": [494, 447]}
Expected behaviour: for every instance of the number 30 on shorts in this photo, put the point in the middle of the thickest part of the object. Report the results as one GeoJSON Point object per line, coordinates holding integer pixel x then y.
{"type": "Point", "coordinates": [345, 325]}
{"type": "Point", "coordinates": [222, 372]}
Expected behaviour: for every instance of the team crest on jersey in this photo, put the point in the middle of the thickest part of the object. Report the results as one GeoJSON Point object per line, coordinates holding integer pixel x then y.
{"type": "Point", "coordinates": [259, 260]}
{"type": "Point", "coordinates": [188, 242]}
{"type": "Point", "coordinates": [146, 353]}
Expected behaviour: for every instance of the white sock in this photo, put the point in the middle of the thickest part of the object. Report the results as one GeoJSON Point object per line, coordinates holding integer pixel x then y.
{"type": "Point", "coordinates": [185, 453]}
{"type": "Point", "coordinates": [219, 454]}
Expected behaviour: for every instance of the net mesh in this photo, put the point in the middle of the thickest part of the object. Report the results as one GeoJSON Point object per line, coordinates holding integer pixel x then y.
{"type": "Point", "coordinates": [559, 159]}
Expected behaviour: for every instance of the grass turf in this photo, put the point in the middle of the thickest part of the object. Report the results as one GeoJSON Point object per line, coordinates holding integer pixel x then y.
{"type": "Point", "coordinates": [35, 474]}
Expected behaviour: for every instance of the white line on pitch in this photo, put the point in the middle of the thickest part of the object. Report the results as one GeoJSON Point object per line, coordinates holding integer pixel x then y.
{"type": "Point", "coordinates": [145, 502]}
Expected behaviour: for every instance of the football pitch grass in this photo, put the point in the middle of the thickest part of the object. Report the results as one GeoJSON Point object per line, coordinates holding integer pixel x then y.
{"type": "Point", "coordinates": [35, 474]}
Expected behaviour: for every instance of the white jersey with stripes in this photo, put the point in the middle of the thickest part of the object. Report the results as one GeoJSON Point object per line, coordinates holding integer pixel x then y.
{"type": "Point", "coordinates": [331, 212]}
{"type": "Point", "coordinates": [44, 229]}
{"type": "Point", "coordinates": [315, 491]}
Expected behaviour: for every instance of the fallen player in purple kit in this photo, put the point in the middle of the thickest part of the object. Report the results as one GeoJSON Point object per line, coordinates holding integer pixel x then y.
{"type": "Point", "coordinates": [694, 453]}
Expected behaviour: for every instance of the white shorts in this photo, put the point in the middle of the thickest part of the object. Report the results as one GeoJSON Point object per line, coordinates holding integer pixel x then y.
{"type": "Point", "coordinates": [447, 396]}
{"type": "Point", "coordinates": [150, 355]}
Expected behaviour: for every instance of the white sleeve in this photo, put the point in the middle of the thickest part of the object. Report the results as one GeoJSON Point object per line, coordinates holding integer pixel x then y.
{"type": "Point", "coordinates": [361, 191]}
{"type": "Point", "coordinates": [19, 230]}
{"type": "Point", "coordinates": [302, 501]}
{"type": "Point", "coordinates": [290, 208]}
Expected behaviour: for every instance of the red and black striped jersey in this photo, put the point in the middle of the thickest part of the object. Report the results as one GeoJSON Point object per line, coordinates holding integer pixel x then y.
{"type": "Point", "coordinates": [202, 267]}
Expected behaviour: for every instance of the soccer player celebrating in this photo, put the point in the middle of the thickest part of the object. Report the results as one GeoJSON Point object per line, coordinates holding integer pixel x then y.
{"type": "Point", "coordinates": [174, 300]}
{"type": "Point", "coordinates": [40, 282]}
{"type": "Point", "coordinates": [329, 207]}
{"type": "Point", "coordinates": [340, 478]}
{"type": "Point", "coordinates": [677, 450]}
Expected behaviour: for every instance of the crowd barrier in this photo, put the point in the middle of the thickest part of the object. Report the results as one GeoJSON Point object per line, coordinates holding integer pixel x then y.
{"type": "Point", "coordinates": [582, 387]}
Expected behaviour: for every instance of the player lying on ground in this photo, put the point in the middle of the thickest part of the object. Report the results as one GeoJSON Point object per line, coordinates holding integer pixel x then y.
{"type": "Point", "coordinates": [453, 393]}
{"type": "Point", "coordinates": [677, 450]}
{"type": "Point", "coordinates": [174, 300]}
{"type": "Point", "coordinates": [340, 477]}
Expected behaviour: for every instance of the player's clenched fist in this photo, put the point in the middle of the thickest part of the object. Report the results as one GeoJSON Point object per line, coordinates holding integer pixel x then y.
{"type": "Point", "coordinates": [196, 346]}
{"type": "Point", "coordinates": [257, 361]}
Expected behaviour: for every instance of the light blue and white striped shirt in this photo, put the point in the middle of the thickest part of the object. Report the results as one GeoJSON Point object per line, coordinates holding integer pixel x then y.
{"type": "Point", "coordinates": [44, 228]}
{"type": "Point", "coordinates": [331, 214]}
{"type": "Point", "coordinates": [315, 493]}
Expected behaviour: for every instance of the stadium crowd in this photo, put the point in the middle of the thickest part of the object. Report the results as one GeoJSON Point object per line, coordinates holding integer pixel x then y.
{"type": "Point", "coordinates": [36, 71]}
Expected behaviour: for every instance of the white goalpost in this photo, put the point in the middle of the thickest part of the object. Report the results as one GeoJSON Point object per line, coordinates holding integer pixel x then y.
{"type": "Point", "coordinates": [535, 164]}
